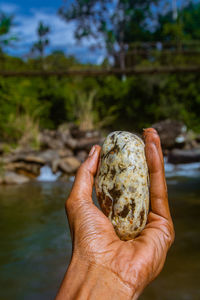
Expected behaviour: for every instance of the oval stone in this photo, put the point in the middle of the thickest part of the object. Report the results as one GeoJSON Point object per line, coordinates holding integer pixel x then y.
{"type": "Point", "coordinates": [122, 183]}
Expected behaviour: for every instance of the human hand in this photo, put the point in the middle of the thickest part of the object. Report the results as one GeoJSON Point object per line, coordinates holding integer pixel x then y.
{"type": "Point", "coordinates": [102, 265]}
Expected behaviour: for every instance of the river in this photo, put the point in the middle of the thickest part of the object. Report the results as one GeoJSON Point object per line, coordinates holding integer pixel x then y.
{"type": "Point", "coordinates": [36, 246]}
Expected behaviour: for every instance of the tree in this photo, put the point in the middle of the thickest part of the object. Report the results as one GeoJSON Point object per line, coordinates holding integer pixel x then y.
{"type": "Point", "coordinates": [184, 27]}
{"type": "Point", "coordinates": [6, 23]}
{"type": "Point", "coordinates": [117, 22]}
{"type": "Point", "coordinates": [40, 46]}
{"type": "Point", "coordinates": [191, 20]}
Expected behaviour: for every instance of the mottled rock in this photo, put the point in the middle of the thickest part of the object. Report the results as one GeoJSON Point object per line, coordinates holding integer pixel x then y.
{"type": "Point", "coordinates": [122, 183]}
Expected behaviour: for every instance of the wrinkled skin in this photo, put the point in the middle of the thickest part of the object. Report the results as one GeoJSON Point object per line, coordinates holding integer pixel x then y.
{"type": "Point", "coordinates": [136, 262]}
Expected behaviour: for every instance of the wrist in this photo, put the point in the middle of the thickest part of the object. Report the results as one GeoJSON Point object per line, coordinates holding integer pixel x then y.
{"type": "Point", "coordinates": [85, 280]}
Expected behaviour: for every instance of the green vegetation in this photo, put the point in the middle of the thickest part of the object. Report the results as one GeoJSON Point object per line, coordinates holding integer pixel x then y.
{"type": "Point", "coordinates": [39, 47]}
{"type": "Point", "coordinates": [30, 104]}
{"type": "Point", "coordinates": [118, 22]}
{"type": "Point", "coordinates": [6, 23]}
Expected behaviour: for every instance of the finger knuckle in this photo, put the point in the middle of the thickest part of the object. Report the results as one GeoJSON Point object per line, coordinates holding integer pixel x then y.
{"type": "Point", "coordinates": [69, 204]}
{"type": "Point", "coordinates": [168, 233]}
{"type": "Point", "coordinates": [73, 204]}
{"type": "Point", "coordinates": [156, 138]}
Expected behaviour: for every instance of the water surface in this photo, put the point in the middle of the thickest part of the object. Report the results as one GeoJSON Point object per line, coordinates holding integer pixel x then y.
{"type": "Point", "coordinates": [36, 247]}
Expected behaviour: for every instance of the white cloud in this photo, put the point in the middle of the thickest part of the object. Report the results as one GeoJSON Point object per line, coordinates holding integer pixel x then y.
{"type": "Point", "coordinates": [61, 36]}
{"type": "Point", "coordinates": [8, 8]}
{"type": "Point", "coordinates": [61, 33]}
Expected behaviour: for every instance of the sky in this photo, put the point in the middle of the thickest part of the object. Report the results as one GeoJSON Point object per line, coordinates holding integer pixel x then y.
{"type": "Point", "coordinates": [27, 15]}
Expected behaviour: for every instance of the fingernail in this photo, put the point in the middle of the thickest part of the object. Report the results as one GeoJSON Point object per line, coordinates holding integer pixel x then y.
{"type": "Point", "coordinates": [152, 130]}
{"type": "Point", "coordinates": [92, 151]}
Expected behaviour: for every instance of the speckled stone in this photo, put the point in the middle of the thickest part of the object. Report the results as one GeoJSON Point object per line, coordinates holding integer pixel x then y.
{"type": "Point", "coordinates": [122, 183]}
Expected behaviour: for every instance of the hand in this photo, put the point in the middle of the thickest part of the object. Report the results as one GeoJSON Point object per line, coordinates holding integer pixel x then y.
{"type": "Point", "coordinates": [103, 266]}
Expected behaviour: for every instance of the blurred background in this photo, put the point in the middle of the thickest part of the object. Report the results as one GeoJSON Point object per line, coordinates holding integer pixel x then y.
{"type": "Point", "coordinates": [70, 72]}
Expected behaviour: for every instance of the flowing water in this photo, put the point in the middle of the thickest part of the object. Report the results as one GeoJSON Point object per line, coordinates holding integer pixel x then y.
{"type": "Point", "coordinates": [36, 247]}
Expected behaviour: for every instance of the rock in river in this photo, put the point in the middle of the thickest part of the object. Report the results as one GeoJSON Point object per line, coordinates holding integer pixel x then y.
{"type": "Point", "coordinates": [69, 165]}
{"type": "Point", "coordinates": [177, 156]}
{"type": "Point", "coordinates": [13, 178]}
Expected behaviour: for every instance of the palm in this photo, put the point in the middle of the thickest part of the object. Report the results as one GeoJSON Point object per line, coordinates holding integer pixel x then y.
{"type": "Point", "coordinates": [100, 244]}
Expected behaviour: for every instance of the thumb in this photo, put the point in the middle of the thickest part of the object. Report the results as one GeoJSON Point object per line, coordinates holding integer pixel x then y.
{"type": "Point", "coordinates": [81, 193]}
{"type": "Point", "coordinates": [83, 184]}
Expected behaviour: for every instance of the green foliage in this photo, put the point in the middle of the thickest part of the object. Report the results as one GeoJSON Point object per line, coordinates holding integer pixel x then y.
{"type": "Point", "coordinates": [132, 103]}
{"type": "Point", "coordinates": [2, 168]}
{"type": "Point", "coordinates": [119, 22]}
{"type": "Point", "coordinates": [143, 100]}
{"type": "Point", "coordinates": [186, 27]}
{"type": "Point", "coordinates": [84, 110]}
{"type": "Point", "coordinates": [39, 46]}
{"type": "Point", "coordinates": [6, 23]}
{"type": "Point", "coordinates": [24, 130]}
{"type": "Point", "coordinates": [30, 104]}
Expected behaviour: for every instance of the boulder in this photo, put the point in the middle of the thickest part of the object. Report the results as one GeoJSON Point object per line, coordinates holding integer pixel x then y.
{"type": "Point", "coordinates": [81, 155]}
{"type": "Point", "coordinates": [65, 152]}
{"type": "Point", "coordinates": [55, 165]}
{"type": "Point", "coordinates": [49, 155]}
{"type": "Point", "coordinates": [24, 157]}
{"type": "Point", "coordinates": [191, 144]}
{"type": "Point", "coordinates": [179, 156]}
{"type": "Point", "coordinates": [23, 163]}
{"type": "Point", "coordinates": [87, 143]}
{"type": "Point", "coordinates": [172, 133]}
{"type": "Point", "coordinates": [29, 169]}
{"type": "Point", "coordinates": [13, 178]}
{"type": "Point", "coordinates": [35, 159]}
{"type": "Point", "coordinates": [78, 134]}
{"type": "Point", "coordinates": [69, 165]}
{"type": "Point", "coordinates": [48, 139]}
{"type": "Point", "coordinates": [70, 142]}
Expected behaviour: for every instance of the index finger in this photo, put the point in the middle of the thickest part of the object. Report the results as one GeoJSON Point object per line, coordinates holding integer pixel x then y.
{"type": "Point", "coordinates": [155, 162]}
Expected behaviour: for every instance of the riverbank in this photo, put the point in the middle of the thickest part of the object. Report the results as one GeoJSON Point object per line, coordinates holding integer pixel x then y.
{"type": "Point", "coordinates": [61, 152]}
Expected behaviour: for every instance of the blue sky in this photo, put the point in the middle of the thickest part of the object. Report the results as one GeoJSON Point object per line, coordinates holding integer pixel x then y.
{"type": "Point", "coordinates": [27, 15]}
{"type": "Point", "coordinates": [29, 12]}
